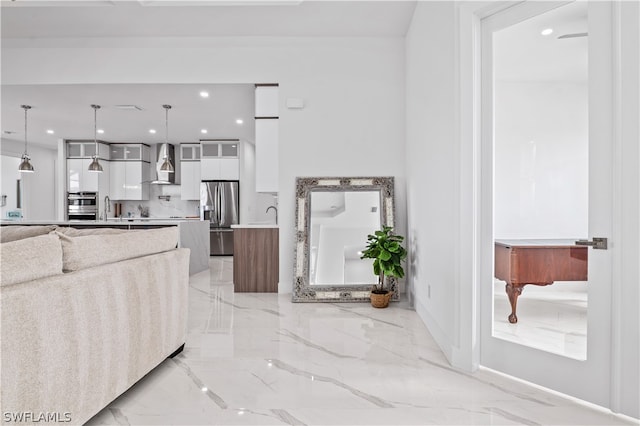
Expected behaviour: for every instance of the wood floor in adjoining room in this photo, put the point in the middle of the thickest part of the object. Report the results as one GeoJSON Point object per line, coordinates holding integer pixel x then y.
{"type": "Point", "coordinates": [259, 359]}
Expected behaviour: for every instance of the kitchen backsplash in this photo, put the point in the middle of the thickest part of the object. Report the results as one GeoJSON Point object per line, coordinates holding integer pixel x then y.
{"type": "Point", "coordinates": [161, 208]}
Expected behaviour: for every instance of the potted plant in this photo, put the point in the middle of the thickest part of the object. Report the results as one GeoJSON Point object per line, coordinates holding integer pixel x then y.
{"type": "Point", "coordinates": [387, 252]}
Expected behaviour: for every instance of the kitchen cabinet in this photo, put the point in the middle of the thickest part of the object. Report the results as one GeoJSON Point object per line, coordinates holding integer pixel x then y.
{"type": "Point", "coordinates": [190, 171]}
{"type": "Point", "coordinates": [219, 160]}
{"type": "Point", "coordinates": [80, 179]}
{"type": "Point", "coordinates": [130, 152]}
{"type": "Point", "coordinates": [220, 169]}
{"type": "Point", "coordinates": [266, 100]}
{"type": "Point", "coordinates": [190, 152]}
{"type": "Point", "coordinates": [87, 149]}
{"type": "Point", "coordinates": [267, 138]}
{"type": "Point", "coordinates": [129, 180]}
{"type": "Point", "coordinates": [228, 148]}
{"type": "Point", "coordinates": [255, 259]}
{"type": "Point", "coordinates": [267, 155]}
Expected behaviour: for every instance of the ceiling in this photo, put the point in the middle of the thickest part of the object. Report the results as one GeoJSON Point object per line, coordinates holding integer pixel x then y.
{"type": "Point", "coordinates": [66, 110]}
{"type": "Point", "coordinates": [118, 18]}
{"type": "Point", "coordinates": [522, 53]}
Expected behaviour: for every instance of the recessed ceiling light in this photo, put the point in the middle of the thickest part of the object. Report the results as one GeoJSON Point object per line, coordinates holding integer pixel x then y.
{"type": "Point", "coordinates": [546, 31]}
{"type": "Point", "coordinates": [100, 131]}
{"type": "Point", "coordinates": [203, 131]}
{"type": "Point", "coordinates": [152, 131]}
{"type": "Point", "coordinates": [204, 94]}
{"type": "Point", "coordinates": [239, 121]}
{"type": "Point", "coordinates": [50, 131]}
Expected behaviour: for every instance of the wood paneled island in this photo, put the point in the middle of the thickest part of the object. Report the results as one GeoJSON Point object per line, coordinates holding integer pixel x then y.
{"type": "Point", "coordinates": [255, 258]}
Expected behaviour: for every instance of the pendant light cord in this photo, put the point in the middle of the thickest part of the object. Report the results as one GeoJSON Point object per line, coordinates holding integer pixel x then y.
{"type": "Point", "coordinates": [95, 127]}
{"type": "Point", "coordinates": [25, 131]}
{"type": "Point", "coordinates": [26, 108]}
{"type": "Point", "coordinates": [166, 127]}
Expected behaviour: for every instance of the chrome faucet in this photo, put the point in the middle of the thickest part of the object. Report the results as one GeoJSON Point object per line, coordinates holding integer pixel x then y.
{"type": "Point", "coordinates": [274, 208]}
{"type": "Point", "coordinates": [107, 206]}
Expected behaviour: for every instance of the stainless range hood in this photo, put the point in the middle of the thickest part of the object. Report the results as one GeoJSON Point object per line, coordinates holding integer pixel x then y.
{"type": "Point", "coordinates": [164, 178]}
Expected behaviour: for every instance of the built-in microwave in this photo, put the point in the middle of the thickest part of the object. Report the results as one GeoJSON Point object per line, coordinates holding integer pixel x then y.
{"type": "Point", "coordinates": [82, 206]}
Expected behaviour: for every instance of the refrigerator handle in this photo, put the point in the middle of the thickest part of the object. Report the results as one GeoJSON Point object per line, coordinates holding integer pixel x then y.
{"type": "Point", "coordinates": [223, 202]}
{"type": "Point", "coordinates": [219, 204]}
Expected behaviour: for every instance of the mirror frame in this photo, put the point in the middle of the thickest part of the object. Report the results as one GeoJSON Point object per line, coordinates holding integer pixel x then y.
{"type": "Point", "coordinates": [302, 290]}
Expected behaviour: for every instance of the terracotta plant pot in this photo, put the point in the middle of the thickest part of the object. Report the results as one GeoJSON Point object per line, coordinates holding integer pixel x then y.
{"type": "Point", "coordinates": [381, 300]}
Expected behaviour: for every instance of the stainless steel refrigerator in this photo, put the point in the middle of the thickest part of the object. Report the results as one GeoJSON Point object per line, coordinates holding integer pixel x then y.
{"type": "Point", "coordinates": [220, 204]}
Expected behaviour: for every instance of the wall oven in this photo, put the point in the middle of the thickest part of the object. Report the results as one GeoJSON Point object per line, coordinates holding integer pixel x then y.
{"type": "Point", "coordinates": [82, 206]}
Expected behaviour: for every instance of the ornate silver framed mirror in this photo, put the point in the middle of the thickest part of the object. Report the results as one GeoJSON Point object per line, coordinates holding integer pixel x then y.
{"type": "Point", "coordinates": [334, 215]}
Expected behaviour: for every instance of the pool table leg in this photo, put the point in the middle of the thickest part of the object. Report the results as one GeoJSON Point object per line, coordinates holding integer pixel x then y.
{"type": "Point", "coordinates": [513, 291]}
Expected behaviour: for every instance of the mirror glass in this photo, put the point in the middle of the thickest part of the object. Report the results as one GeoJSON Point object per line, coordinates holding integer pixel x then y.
{"type": "Point", "coordinates": [340, 222]}
{"type": "Point", "coordinates": [334, 218]}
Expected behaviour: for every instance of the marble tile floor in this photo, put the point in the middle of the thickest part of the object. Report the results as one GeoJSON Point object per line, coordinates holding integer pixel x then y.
{"type": "Point", "coordinates": [552, 318]}
{"type": "Point", "coordinates": [258, 359]}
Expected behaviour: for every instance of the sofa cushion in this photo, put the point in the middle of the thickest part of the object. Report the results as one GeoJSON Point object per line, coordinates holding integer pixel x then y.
{"type": "Point", "coordinates": [17, 232]}
{"type": "Point", "coordinates": [92, 250]}
{"type": "Point", "coordinates": [75, 232]}
{"type": "Point", "coordinates": [30, 258]}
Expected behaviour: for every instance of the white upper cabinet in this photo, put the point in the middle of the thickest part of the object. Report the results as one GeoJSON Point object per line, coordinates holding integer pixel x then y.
{"type": "Point", "coordinates": [267, 138]}
{"type": "Point", "coordinates": [267, 155]}
{"type": "Point", "coordinates": [79, 178]}
{"type": "Point", "coordinates": [130, 180]}
{"type": "Point", "coordinates": [219, 160]}
{"type": "Point", "coordinates": [130, 152]}
{"type": "Point", "coordinates": [267, 101]}
{"type": "Point", "coordinates": [190, 171]}
{"type": "Point", "coordinates": [87, 149]}
{"type": "Point", "coordinates": [190, 180]}
{"type": "Point", "coordinates": [190, 152]}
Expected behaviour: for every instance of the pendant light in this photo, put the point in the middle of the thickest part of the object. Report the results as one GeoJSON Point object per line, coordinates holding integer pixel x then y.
{"type": "Point", "coordinates": [166, 165]}
{"type": "Point", "coordinates": [25, 166]}
{"type": "Point", "coordinates": [95, 165]}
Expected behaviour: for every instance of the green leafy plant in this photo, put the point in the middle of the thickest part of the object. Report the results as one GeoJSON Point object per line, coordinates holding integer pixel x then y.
{"type": "Point", "coordinates": [387, 252]}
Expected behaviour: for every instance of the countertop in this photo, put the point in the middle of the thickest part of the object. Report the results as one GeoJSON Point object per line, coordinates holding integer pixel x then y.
{"type": "Point", "coordinates": [192, 234]}
{"type": "Point", "coordinates": [110, 222]}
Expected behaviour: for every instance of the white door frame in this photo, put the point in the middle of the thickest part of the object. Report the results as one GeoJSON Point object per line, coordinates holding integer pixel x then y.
{"type": "Point", "coordinates": [472, 197]}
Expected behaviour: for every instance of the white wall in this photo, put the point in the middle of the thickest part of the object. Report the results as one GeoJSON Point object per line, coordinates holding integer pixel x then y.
{"type": "Point", "coordinates": [432, 179]}
{"type": "Point", "coordinates": [626, 369]}
{"type": "Point", "coordinates": [440, 150]}
{"type": "Point", "coordinates": [352, 123]}
{"type": "Point", "coordinates": [39, 201]}
{"type": "Point", "coordinates": [8, 186]}
{"type": "Point", "coordinates": [157, 207]}
{"type": "Point", "coordinates": [541, 180]}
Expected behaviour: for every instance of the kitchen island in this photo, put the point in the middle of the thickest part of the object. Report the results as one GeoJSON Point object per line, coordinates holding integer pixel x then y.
{"type": "Point", "coordinates": [192, 234]}
{"type": "Point", "coordinates": [255, 258]}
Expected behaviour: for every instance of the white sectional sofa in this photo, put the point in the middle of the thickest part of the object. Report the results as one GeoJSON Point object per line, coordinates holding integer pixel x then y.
{"type": "Point", "coordinates": [85, 314]}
